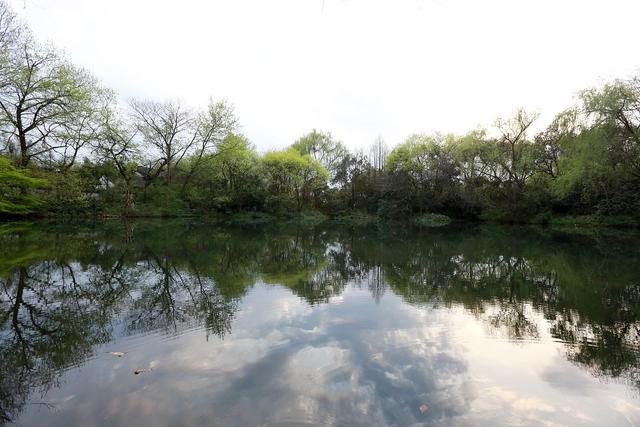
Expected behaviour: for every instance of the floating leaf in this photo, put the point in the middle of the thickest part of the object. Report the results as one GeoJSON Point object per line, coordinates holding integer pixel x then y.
{"type": "Point", "coordinates": [117, 353]}
{"type": "Point", "coordinates": [424, 408]}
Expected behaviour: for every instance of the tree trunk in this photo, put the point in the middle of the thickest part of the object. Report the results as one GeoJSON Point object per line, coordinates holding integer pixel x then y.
{"type": "Point", "coordinates": [128, 200]}
{"type": "Point", "coordinates": [24, 156]}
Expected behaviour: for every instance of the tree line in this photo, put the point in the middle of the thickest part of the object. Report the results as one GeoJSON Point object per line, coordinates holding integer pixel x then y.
{"type": "Point", "coordinates": [69, 146]}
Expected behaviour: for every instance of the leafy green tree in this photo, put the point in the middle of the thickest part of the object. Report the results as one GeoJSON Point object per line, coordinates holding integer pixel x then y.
{"type": "Point", "coordinates": [117, 146]}
{"type": "Point", "coordinates": [469, 151]}
{"type": "Point", "coordinates": [514, 158]}
{"type": "Point", "coordinates": [46, 103]}
{"type": "Point", "coordinates": [599, 155]}
{"type": "Point", "coordinates": [550, 143]}
{"type": "Point", "coordinates": [323, 148]}
{"type": "Point", "coordinates": [352, 181]}
{"type": "Point", "coordinates": [67, 194]}
{"type": "Point", "coordinates": [234, 160]}
{"type": "Point", "coordinates": [617, 106]}
{"type": "Point", "coordinates": [212, 127]}
{"type": "Point", "coordinates": [293, 176]}
{"type": "Point", "coordinates": [230, 177]}
{"type": "Point", "coordinates": [424, 172]}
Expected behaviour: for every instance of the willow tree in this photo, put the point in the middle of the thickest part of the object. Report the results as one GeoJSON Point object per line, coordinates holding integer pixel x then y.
{"type": "Point", "coordinates": [233, 163]}
{"type": "Point", "coordinates": [424, 171]}
{"type": "Point", "coordinates": [600, 163]}
{"type": "Point", "coordinates": [291, 174]}
{"type": "Point", "coordinates": [552, 143]}
{"type": "Point", "coordinates": [515, 150]}
{"type": "Point", "coordinates": [617, 106]}
{"type": "Point", "coordinates": [323, 148]}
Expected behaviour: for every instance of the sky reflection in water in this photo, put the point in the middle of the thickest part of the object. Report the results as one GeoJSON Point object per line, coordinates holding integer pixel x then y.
{"type": "Point", "coordinates": [316, 325]}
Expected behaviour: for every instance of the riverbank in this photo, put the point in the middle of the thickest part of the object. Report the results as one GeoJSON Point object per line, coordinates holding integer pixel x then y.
{"type": "Point", "coordinates": [350, 219]}
{"type": "Point", "coordinates": [357, 218]}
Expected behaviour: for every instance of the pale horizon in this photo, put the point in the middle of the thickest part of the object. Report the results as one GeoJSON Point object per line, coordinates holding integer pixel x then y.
{"type": "Point", "coordinates": [357, 69]}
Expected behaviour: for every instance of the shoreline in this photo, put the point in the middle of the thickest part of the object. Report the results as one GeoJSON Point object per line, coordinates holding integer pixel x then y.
{"type": "Point", "coordinates": [353, 219]}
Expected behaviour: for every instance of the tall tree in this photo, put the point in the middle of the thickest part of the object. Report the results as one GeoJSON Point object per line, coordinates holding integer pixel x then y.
{"type": "Point", "coordinates": [617, 105]}
{"type": "Point", "coordinates": [42, 97]}
{"type": "Point", "coordinates": [549, 143]}
{"type": "Point", "coordinates": [425, 171]}
{"type": "Point", "coordinates": [323, 148]}
{"type": "Point", "coordinates": [514, 149]}
{"type": "Point", "coordinates": [379, 152]}
{"type": "Point", "coordinates": [116, 144]}
{"type": "Point", "coordinates": [293, 175]}
{"type": "Point", "coordinates": [167, 128]}
{"type": "Point", "coordinates": [211, 127]}
{"type": "Point", "coordinates": [351, 177]}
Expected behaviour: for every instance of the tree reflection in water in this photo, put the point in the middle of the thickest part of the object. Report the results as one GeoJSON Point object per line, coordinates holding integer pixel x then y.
{"type": "Point", "coordinates": [64, 292]}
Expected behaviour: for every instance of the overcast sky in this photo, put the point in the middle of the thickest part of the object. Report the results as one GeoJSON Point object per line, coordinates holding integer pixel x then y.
{"type": "Point", "coordinates": [356, 68]}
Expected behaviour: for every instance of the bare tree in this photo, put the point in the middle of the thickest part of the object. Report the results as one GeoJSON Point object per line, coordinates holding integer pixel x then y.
{"type": "Point", "coordinates": [168, 128]}
{"type": "Point", "coordinates": [378, 153]}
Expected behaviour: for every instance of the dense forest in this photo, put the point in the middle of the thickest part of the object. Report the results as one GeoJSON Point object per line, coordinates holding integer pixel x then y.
{"type": "Point", "coordinates": [70, 147]}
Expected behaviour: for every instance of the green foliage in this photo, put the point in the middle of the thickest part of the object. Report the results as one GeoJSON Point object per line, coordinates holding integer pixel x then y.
{"type": "Point", "coordinates": [229, 179]}
{"type": "Point", "coordinates": [424, 160]}
{"type": "Point", "coordinates": [48, 103]}
{"type": "Point", "coordinates": [67, 194]}
{"type": "Point", "coordinates": [600, 162]}
{"type": "Point", "coordinates": [293, 179]}
{"type": "Point", "coordinates": [355, 218]}
{"type": "Point", "coordinates": [163, 159]}
{"type": "Point", "coordinates": [163, 201]}
{"type": "Point", "coordinates": [16, 188]}
{"type": "Point", "coordinates": [424, 173]}
{"type": "Point", "coordinates": [323, 148]}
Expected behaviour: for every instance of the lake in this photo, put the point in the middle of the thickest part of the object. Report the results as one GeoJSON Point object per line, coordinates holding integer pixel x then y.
{"type": "Point", "coordinates": [185, 323]}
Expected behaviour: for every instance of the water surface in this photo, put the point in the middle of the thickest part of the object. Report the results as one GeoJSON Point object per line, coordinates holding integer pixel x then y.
{"type": "Point", "coordinates": [297, 325]}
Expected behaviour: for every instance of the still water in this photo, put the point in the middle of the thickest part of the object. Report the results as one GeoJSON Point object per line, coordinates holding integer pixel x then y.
{"type": "Point", "coordinates": [189, 324]}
